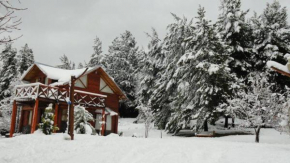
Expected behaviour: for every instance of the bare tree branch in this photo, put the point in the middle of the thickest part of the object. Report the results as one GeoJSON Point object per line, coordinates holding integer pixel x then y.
{"type": "Point", "coordinates": [9, 22]}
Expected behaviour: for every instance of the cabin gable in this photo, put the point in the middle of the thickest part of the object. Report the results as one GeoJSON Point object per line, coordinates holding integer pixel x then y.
{"type": "Point", "coordinates": [35, 75]}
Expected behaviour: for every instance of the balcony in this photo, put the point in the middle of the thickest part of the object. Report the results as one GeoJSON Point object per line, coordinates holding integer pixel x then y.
{"type": "Point", "coordinates": [29, 92]}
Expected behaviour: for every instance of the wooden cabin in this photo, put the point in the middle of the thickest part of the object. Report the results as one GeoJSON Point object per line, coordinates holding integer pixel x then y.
{"type": "Point", "coordinates": [95, 90]}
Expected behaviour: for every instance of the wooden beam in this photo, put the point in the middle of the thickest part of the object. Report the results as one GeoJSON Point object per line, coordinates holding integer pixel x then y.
{"type": "Point", "coordinates": [34, 117]}
{"type": "Point", "coordinates": [71, 109]}
{"type": "Point", "coordinates": [116, 123]}
{"type": "Point", "coordinates": [280, 71]}
{"type": "Point", "coordinates": [103, 122]}
{"type": "Point", "coordinates": [55, 115]}
{"type": "Point", "coordinates": [13, 119]}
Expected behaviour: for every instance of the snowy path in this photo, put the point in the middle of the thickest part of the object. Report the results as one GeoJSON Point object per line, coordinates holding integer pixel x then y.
{"type": "Point", "coordinates": [38, 148]}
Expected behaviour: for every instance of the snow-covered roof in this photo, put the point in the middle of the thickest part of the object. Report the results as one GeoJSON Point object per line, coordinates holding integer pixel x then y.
{"type": "Point", "coordinates": [273, 64]}
{"type": "Point", "coordinates": [61, 75]}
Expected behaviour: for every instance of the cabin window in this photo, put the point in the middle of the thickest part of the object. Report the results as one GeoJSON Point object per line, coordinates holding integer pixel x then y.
{"type": "Point", "coordinates": [30, 118]}
{"type": "Point", "coordinates": [98, 121]}
{"type": "Point", "coordinates": [108, 123]}
{"type": "Point", "coordinates": [53, 81]}
{"type": "Point", "coordinates": [82, 82]}
{"type": "Point", "coordinates": [104, 87]}
{"type": "Point", "coordinates": [46, 81]}
{"type": "Point", "coordinates": [64, 115]}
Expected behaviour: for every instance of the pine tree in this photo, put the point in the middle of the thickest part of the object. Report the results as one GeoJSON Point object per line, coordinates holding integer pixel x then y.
{"type": "Point", "coordinates": [203, 77]}
{"type": "Point", "coordinates": [66, 63]}
{"type": "Point", "coordinates": [47, 121]}
{"type": "Point", "coordinates": [25, 59]}
{"type": "Point", "coordinates": [166, 62]}
{"type": "Point", "coordinates": [81, 124]}
{"type": "Point", "coordinates": [96, 58]}
{"type": "Point", "coordinates": [148, 72]}
{"type": "Point", "coordinates": [121, 63]}
{"type": "Point", "coordinates": [9, 70]}
{"type": "Point", "coordinates": [80, 66]}
{"type": "Point", "coordinates": [272, 42]}
{"type": "Point", "coordinates": [236, 32]}
{"type": "Point", "coordinates": [7, 103]}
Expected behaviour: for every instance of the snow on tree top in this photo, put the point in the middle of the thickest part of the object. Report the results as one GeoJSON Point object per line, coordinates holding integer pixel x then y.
{"type": "Point", "coordinates": [61, 75]}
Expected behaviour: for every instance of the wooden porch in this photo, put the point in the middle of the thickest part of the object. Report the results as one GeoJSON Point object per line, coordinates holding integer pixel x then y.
{"type": "Point", "coordinates": [37, 93]}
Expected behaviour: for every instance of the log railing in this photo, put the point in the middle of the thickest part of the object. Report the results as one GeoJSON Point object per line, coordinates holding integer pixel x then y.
{"type": "Point", "coordinates": [35, 90]}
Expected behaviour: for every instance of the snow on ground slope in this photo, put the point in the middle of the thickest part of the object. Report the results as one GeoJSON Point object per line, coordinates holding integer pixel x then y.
{"type": "Point", "coordinates": [129, 129]}
{"type": "Point", "coordinates": [274, 148]}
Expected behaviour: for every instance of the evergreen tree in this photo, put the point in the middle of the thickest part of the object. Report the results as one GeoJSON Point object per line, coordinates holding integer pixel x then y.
{"type": "Point", "coordinates": [121, 63]}
{"type": "Point", "coordinates": [80, 66]}
{"type": "Point", "coordinates": [148, 72]}
{"type": "Point", "coordinates": [203, 77]}
{"type": "Point", "coordinates": [66, 63]}
{"type": "Point", "coordinates": [47, 120]}
{"type": "Point", "coordinates": [272, 41]}
{"type": "Point", "coordinates": [7, 103]}
{"type": "Point", "coordinates": [9, 70]}
{"type": "Point", "coordinates": [81, 124]}
{"type": "Point", "coordinates": [25, 59]}
{"type": "Point", "coordinates": [96, 58]}
{"type": "Point", "coordinates": [235, 32]}
{"type": "Point", "coordinates": [166, 62]}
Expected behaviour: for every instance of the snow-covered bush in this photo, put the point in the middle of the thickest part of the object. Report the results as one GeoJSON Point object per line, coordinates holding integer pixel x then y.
{"type": "Point", "coordinates": [47, 121]}
{"type": "Point", "coordinates": [81, 124]}
{"type": "Point", "coordinates": [148, 117]}
{"type": "Point", "coordinates": [260, 106]}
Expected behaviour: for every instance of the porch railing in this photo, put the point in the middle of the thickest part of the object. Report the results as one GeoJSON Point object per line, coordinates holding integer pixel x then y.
{"type": "Point", "coordinates": [35, 90]}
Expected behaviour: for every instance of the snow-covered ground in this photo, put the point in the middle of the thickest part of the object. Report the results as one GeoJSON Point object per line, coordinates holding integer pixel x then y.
{"type": "Point", "coordinates": [274, 148]}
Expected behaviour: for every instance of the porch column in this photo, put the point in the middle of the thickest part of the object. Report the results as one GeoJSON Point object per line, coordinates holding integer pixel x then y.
{"type": "Point", "coordinates": [13, 119]}
{"type": "Point", "coordinates": [117, 123]}
{"type": "Point", "coordinates": [55, 115]}
{"type": "Point", "coordinates": [34, 118]}
{"type": "Point", "coordinates": [103, 122]}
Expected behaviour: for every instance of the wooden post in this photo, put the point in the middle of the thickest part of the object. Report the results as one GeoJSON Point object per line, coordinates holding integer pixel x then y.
{"type": "Point", "coordinates": [13, 119]}
{"type": "Point", "coordinates": [71, 109]}
{"type": "Point", "coordinates": [71, 105]}
{"type": "Point", "coordinates": [55, 115]}
{"type": "Point", "coordinates": [103, 122]}
{"type": "Point", "coordinates": [34, 117]}
{"type": "Point", "coordinates": [226, 121]}
{"type": "Point", "coordinates": [117, 119]}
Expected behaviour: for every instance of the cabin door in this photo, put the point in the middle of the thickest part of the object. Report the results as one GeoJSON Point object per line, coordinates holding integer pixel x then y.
{"type": "Point", "coordinates": [26, 121]}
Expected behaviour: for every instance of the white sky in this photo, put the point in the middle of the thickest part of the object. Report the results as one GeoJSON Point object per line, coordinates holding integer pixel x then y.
{"type": "Point", "coordinates": [56, 27]}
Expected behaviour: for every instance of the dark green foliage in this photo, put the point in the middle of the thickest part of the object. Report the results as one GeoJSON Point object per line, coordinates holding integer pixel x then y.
{"type": "Point", "coordinates": [47, 120]}
{"type": "Point", "coordinates": [25, 59]}
{"type": "Point", "coordinates": [8, 71]}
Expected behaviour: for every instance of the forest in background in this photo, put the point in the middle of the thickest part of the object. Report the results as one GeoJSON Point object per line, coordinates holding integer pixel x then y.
{"type": "Point", "coordinates": [200, 71]}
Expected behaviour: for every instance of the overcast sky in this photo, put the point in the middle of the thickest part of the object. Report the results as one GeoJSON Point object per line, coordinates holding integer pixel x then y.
{"type": "Point", "coordinates": [56, 27]}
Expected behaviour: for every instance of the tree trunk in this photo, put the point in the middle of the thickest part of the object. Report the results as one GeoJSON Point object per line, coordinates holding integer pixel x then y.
{"type": "Point", "coordinates": [226, 121]}
{"type": "Point", "coordinates": [257, 132]}
{"type": "Point", "coordinates": [233, 122]}
{"type": "Point", "coordinates": [205, 126]}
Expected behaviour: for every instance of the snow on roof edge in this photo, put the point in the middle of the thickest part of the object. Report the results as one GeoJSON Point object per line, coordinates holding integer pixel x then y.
{"type": "Point", "coordinates": [62, 75]}
{"type": "Point", "coordinates": [278, 66]}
